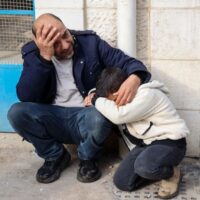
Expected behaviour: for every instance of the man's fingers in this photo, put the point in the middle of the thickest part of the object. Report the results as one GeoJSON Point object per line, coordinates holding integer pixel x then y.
{"type": "Point", "coordinates": [46, 30]}
{"type": "Point", "coordinates": [122, 101]}
{"type": "Point", "coordinates": [55, 38]}
{"type": "Point", "coordinates": [52, 34]}
{"type": "Point", "coordinates": [130, 97]}
{"type": "Point", "coordinates": [87, 100]}
{"type": "Point", "coordinates": [120, 97]}
{"type": "Point", "coordinates": [124, 97]}
{"type": "Point", "coordinates": [47, 35]}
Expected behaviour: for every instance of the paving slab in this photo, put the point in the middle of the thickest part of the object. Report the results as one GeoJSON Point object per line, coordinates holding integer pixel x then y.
{"type": "Point", "coordinates": [19, 163]}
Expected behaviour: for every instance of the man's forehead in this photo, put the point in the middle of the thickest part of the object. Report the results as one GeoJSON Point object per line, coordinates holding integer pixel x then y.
{"type": "Point", "coordinates": [49, 20]}
{"type": "Point", "coordinates": [65, 31]}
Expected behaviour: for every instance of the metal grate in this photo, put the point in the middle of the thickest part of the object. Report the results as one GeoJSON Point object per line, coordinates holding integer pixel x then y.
{"type": "Point", "coordinates": [16, 18]}
{"type": "Point", "coordinates": [14, 31]}
{"type": "Point", "coordinates": [16, 5]}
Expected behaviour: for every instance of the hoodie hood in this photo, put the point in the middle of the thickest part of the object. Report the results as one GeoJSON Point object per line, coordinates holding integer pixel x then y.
{"type": "Point", "coordinates": [156, 85]}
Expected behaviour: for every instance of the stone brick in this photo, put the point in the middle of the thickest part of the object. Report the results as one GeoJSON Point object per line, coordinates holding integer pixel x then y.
{"type": "Point", "coordinates": [142, 40]}
{"type": "Point", "coordinates": [175, 34]}
{"type": "Point", "coordinates": [192, 119]}
{"type": "Point", "coordinates": [101, 3]}
{"type": "Point", "coordinates": [175, 3]}
{"type": "Point", "coordinates": [143, 4]}
{"type": "Point", "coordinates": [103, 21]}
{"type": "Point", "coordinates": [72, 18]}
{"type": "Point", "coordinates": [182, 79]}
{"type": "Point", "coordinates": [58, 4]}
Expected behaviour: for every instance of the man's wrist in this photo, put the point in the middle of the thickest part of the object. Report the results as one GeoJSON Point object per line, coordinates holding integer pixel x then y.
{"type": "Point", "coordinates": [44, 60]}
{"type": "Point", "coordinates": [136, 78]}
{"type": "Point", "coordinates": [46, 57]}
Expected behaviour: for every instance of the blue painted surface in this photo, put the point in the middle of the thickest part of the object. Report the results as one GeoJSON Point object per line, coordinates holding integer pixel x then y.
{"type": "Point", "coordinates": [9, 76]}
{"type": "Point", "coordinates": [17, 12]}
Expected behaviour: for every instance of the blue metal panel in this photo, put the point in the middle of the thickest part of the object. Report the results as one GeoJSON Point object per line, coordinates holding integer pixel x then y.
{"type": "Point", "coordinates": [9, 75]}
{"type": "Point", "coordinates": [17, 12]}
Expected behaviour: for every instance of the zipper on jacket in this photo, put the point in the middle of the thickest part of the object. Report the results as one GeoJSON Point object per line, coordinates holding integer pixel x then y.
{"type": "Point", "coordinates": [151, 124]}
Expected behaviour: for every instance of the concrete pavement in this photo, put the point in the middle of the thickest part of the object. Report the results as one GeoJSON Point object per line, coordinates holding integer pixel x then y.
{"type": "Point", "coordinates": [19, 163]}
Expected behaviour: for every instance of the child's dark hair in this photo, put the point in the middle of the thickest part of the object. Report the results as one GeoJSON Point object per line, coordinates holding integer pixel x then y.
{"type": "Point", "coordinates": [109, 81]}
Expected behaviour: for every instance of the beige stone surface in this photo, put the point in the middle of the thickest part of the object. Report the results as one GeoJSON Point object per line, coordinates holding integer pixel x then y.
{"type": "Point", "coordinates": [72, 18]}
{"type": "Point", "coordinates": [19, 164]}
{"type": "Point", "coordinates": [143, 39]}
{"type": "Point", "coordinates": [58, 4]}
{"type": "Point", "coordinates": [175, 34]}
{"type": "Point", "coordinates": [18, 167]}
{"type": "Point", "coordinates": [175, 3]}
{"type": "Point", "coordinates": [183, 80]}
{"type": "Point", "coordinates": [103, 21]}
{"type": "Point", "coordinates": [143, 3]}
{"type": "Point", "coordinates": [101, 3]}
{"type": "Point", "coordinates": [192, 119]}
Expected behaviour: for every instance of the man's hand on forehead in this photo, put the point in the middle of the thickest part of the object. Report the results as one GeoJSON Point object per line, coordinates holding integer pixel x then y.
{"type": "Point", "coordinates": [46, 36]}
{"type": "Point", "coordinates": [47, 31]}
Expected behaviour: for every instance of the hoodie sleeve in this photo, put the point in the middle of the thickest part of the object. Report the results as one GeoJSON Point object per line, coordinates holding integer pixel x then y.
{"type": "Point", "coordinates": [142, 106]}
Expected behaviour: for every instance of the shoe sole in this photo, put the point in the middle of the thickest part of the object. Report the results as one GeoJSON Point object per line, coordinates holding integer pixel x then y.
{"type": "Point", "coordinates": [175, 193]}
{"type": "Point", "coordinates": [85, 180]}
{"type": "Point", "coordinates": [56, 175]}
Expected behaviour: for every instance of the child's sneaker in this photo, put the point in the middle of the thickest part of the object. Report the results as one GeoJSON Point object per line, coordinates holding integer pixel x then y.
{"type": "Point", "coordinates": [169, 187]}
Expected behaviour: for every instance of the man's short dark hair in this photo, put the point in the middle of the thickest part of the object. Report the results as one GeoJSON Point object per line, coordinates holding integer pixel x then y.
{"type": "Point", "coordinates": [109, 81]}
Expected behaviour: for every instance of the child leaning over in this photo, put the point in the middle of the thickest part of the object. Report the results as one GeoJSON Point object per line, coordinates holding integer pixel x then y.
{"type": "Point", "coordinates": [153, 124]}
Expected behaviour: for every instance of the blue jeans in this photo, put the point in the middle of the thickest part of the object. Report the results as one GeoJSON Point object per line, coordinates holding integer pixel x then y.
{"type": "Point", "coordinates": [47, 127]}
{"type": "Point", "coordinates": [149, 163]}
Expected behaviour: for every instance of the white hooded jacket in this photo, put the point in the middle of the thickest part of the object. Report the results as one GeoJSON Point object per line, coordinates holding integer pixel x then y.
{"type": "Point", "coordinates": [150, 116]}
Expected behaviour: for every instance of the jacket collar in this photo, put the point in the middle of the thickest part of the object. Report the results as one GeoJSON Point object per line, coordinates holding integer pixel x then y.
{"type": "Point", "coordinates": [29, 47]}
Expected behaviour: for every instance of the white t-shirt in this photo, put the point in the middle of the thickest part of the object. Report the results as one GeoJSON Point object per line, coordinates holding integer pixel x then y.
{"type": "Point", "coordinates": [67, 94]}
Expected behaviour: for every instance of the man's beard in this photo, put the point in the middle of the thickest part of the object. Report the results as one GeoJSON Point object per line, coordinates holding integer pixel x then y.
{"type": "Point", "coordinates": [65, 56]}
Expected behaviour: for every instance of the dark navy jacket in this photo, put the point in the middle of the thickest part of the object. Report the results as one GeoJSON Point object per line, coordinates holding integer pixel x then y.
{"type": "Point", "coordinates": [91, 55]}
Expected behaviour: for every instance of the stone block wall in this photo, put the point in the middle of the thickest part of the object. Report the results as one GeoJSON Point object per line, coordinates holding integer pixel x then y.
{"type": "Point", "coordinates": [70, 11]}
{"type": "Point", "coordinates": [175, 58]}
{"type": "Point", "coordinates": [168, 43]}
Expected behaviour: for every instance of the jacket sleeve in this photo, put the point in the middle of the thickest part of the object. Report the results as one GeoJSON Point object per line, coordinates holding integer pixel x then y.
{"type": "Point", "coordinates": [113, 57]}
{"type": "Point", "coordinates": [142, 106]}
{"type": "Point", "coordinates": [34, 79]}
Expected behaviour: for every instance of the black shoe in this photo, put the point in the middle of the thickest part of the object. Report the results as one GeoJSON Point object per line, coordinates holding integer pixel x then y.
{"type": "Point", "coordinates": [88, 171]}
{"type": "Point", "coordinates": [51, 170]}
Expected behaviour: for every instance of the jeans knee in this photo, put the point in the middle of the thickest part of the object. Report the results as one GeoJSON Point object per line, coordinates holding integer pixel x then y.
{"type": "Point", "coordinates": [117, 181]}
{"type": "Point", "coordinates": [98, 119]}
{"type": "Point", "coordinates": [18, 114]}
{"type": "Point", "coordinates": [145, 170]}
{"type": "Point", "coordinates": [101, 128]}
{"type": "Point", "coordinates": [121, 183]}
{"type": "Point", "coordinates": [15, 112]}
